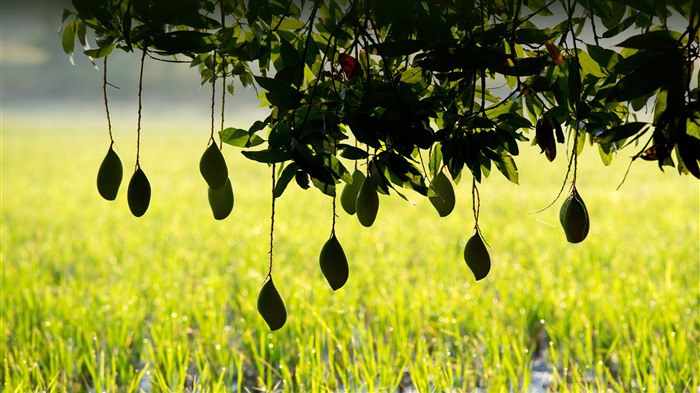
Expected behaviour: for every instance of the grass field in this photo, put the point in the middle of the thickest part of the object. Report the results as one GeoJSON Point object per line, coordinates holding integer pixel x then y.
{"type": "Point", "coordinates": [94, 299]}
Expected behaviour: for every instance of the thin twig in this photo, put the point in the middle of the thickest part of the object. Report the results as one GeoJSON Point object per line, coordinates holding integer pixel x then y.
{"type": "Point", "coordinates": [104, 92]}
{"type": "Point", "coordinates": [138, 121]}
{"type": "Point", "coordinates": [272, 222]}
{"type": "Point", "coordinates": [168, 60]}
{"type": "Point", "coordinates": [223, 78]}
{"type": "Point", "coordinates": [213, 98]}
{"type": "Point", "coordinates": [624, 178]}
{"type": "Point", "coordinates": [566, 177]}
{"type": "Point", "coordinates": [334, 217]}
{"type": "Point", "coordinates": [476, 204]}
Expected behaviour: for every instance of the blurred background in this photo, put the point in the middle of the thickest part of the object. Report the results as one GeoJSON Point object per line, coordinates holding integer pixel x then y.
{"type": "Point", "coordinates": [39, 80]}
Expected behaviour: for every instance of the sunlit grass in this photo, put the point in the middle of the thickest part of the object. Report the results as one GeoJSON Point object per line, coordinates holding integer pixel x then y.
{"type": "Point", "coordinates": [94, 298]}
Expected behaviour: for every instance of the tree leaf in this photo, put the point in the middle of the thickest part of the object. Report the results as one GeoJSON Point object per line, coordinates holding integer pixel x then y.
{"type": "Point", "coordinates": [591, 66]}
{"type": "Point", "coordinates": [653, 40]}
{"type": "Point", "coordinates": [606, 58]}
{"type": "Point", "coordinates": [268, 156]}
{"type": "Point", "coordinates": [508, 168]}
{"type": "Point", "coordinates": [68, 38]}
{"type": "Point", "coordinates": [620, 27]}
{"type": "Point", "coordinates": [279, 93]}
{"type": "Point", "coordinates": [285, 177]}
{"type": "Point", "coordinates": [100, 52]}
{"type": "Point", "coordinates": [535, 36]}
{"type": "Point", "coordinates": [640, 82]}
{"type": "Point", "coordinates": [81, 31]}
{"type": "Point", "coordinates": [352, 152]}
{"type": "Point", "coordinates": [618, 133]}
{"type": "Point", "coordinates": [185, 41]}
{"type": "Point", "coordinates": [239, 137]}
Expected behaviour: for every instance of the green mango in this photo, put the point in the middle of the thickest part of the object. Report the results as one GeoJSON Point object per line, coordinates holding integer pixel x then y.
{"type": "Point", "coordinates": [271, 306]}
{"type": "Point", "coordinates": [574, 218]}
{"type": "Point", "coordinates": [348, 197]}
{"type": "Point", "coordinates": [334, 263]}
{"type": "Point", "coordinates": [562, 210]}
{"type": "Point", "coordinates": [139, 193]}
{"type": "Point", "coordinates": [444, 201]}
{"type": "Point", "coordinates": [367, 203]}
{"type": "Point", "coordinates": [221, 200]}
{"type": "Point", "coordinates": [213, 167]}
{"type": "Point", "coordinates": [109, 177]}
{"type": "Point", "coordinates": [477, 257]}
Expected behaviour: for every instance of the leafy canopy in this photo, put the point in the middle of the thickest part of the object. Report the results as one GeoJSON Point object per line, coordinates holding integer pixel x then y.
{"type": "Point", "coordinates": [463, 81]}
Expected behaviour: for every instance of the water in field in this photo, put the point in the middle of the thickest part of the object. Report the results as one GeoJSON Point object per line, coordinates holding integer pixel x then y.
{"type": "Point", "coordinates": [94, 298]}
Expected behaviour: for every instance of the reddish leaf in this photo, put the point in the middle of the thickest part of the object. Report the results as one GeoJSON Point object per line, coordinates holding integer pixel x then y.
{"type": "Point", "coordinates": [349, 65]}
{"type": "Point", "coordinates": [554, 52]}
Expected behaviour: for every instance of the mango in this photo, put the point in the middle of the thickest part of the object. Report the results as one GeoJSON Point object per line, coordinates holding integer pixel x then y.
{"type": "Point", "coordinates": [574, 218]}
{"type": "Point", "coordinates": [109, 176]}
{"type": "Point", "coordinates": [221, 200]}
{"type": "Point", "coordinates": [139, 193]}
{"type": "Point", "coordinates": [348, 197]}
{"type": "Point", "coordinates": [477, 257]}
{"type": "Point", "coordinates": [367, 203]}
{"type": "Point", "coordinates": [271, 307]}
{"type": "Point", "coordinates": [444, 200]}
{"type": "Point", "coordinates": [213, 167]}
{"type": "Point", "coordinates": [334, 263]}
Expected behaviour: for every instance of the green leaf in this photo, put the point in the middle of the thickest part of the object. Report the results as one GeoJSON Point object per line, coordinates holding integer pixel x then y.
{"type": "Point", "coordinates": [310, 163]}
{"type": "Point", "coordinates": [100, 52]}
{"type": "Point", "coordinates": [508, 168]}
{"type": "Point", "coordinates": [590, 66]}
{"type": "Point", "coordinates": [337, 168]}
{"type": "Point", "coordinates": [312, 52]}
{"type": "Point", "coordinates": [185, 41]}
{"type": "Point", "coordinates": [619, 133]}
{"type": "Point", "coordinates": [515, 120]}
{"type": "Point", "coordinates": [352, 152]}
{"type": "Point", "coordinates": [535, 36]}
{"type": "Point", "coordinates": [66, 13]}
{"type": "Point", "coordinates": [639, 82]}
{"type": "Point", "coordinates": [289, 55]}
{"type": "Point", "coordinates": [606, 153]}
{"type": "Point", "coordinates": [653, 40]}
{"type": "Point", "coordinates": [239, 137]}
{"type": "Point", "coordinates": [280, 135]}
{"type": "Point", "coordinates": [68, 38]}
{"type": "Point", "coordinates": [412, 75]}
{"type": "Point", "coordinates": [620, 27]}
{"type": "Point", "coordinates": [81, 31]}
{"type": "Point", "coordinates": [435, 161]}
{"type": "Point", "coordinates": [279, 93]}
{"type": "Point", "coordinates": [268, 156]}
{"type": "Point", "coordinates": [328, 189]}
{"type": "Point", "coordinates": [637, 60]}
{"type": "Point", "coordinates": [606, 58]}
{"type": "Point", "coordinates": [285, 177]}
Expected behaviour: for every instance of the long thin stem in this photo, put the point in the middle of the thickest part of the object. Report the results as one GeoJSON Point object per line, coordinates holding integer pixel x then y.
{"type": "Point", "coordinates": [213, 99]}
{"type": "Point", "coordinates": [223, 106]}
{"type": "Point", "coordinates": [223, 78]}
{"type": "Point", "coordinates": [138, 121]}
{"type": "Point", "coordinates": [104, 92]}
{"type": "Point", "coordinates": [573, 161]}
{"type": "Point", "coordinates": [476, 204]}
{"type": "Point", "coordinates": [272, 222]}
{"type": "Point", "coordinates": [334, 217]}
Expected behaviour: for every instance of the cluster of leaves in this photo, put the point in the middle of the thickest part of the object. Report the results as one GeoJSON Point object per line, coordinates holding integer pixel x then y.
{"type": "Point", "coordinates": [381, 82]}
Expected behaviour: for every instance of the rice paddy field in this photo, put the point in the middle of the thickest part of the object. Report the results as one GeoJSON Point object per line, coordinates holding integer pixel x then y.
{"type": "Point", "coordinates": [95, 300]}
